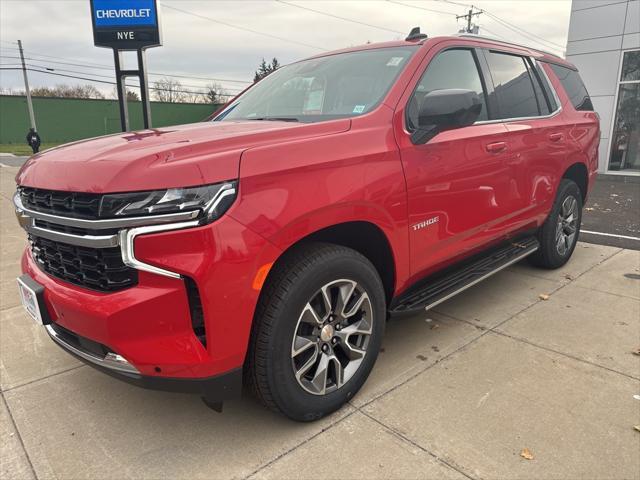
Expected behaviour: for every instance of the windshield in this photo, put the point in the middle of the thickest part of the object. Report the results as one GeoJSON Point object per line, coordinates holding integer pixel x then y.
{"type": "Point", "coordinates": [325, 88]}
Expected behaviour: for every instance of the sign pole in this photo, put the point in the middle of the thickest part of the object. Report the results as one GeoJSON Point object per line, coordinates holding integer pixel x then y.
{"type": "Point", "coordinates": [32, 117]}
{"type": "Point", "coordinates": [122, 91]}
{"type": "Point", "coordinates": [144, 88]}
{"type": "Point", "coordinates": [128, 25]}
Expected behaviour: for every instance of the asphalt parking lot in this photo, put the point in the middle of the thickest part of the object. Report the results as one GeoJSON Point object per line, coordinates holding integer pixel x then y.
{"type": "Point", "coordinates": [459, 392]}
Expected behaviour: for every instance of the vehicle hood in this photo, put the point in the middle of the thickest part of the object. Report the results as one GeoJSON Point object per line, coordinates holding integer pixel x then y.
{"type": "Point", "coordinates": [180, 156]}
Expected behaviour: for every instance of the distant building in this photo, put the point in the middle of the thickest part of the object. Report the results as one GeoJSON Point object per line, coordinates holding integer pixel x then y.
{"type": "Point", "coordinates": [604, 43]}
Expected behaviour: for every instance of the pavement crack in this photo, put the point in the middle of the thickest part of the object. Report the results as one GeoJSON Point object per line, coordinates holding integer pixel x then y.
{"type": "Point", "coordinates": [15, 427]}
{"type": "Point", "coordinates": [15, 387]}
{"type": "Point", "coordinates": [416, 445]}
{"type": "Point", "coordinates": [304, 442]}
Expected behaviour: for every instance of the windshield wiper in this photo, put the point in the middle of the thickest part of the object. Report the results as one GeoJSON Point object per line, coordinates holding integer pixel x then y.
{"type": "Point", "coordinates": [276, 119]}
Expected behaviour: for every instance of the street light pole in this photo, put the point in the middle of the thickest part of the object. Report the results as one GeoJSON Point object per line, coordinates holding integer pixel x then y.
{"type": "Point", "coordinates": [32, 117]}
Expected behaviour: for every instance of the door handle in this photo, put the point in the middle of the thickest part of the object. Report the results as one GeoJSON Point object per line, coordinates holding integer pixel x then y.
{"type": "Point", "coordinates": [496, 147]}
{"type": "Point", "coordinates": [556, 137]}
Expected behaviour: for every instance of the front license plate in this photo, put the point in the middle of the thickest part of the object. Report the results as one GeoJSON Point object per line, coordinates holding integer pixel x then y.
{"type": "Point", "coordinates": [30, 298]}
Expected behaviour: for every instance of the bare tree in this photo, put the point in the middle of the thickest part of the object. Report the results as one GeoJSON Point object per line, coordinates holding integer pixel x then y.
{"type": "Point", "coordinates": [215, 93]}
{"type": "Point", "coordinates": [132, 95]}
{"type": "Point", "coordinates": [168, 90]}
{"type": "Point", "coordinates": [68, 91]}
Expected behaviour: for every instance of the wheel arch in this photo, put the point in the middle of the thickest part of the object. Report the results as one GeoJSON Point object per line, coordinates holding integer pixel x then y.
{"type": "Point", "coordinates": [362, 236]}
{"type": "Point", "coordinates": [579, 174]}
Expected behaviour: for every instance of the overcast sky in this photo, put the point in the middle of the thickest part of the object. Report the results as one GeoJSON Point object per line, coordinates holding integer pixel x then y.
{"type": "Point", "coordinates": [197, 47]}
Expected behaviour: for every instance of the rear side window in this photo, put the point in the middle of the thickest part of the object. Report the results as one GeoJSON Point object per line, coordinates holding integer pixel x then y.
{"type": "Point", "coordinates": [543, 105]}
{"type": "Point", "coordinates": [548, 92]}
{"type": "Point", "coordinates": [572, 84]}
{"type": "Point", "coordinates": [450, 69]}
{"type": "Point", "coordinates": [513, 86]}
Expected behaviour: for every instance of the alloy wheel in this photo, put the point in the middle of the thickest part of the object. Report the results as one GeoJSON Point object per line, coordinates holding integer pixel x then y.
{"type": "Point", "coordinates": [567, 226]}
{"type": "Point", "coordinates": [331, 336]}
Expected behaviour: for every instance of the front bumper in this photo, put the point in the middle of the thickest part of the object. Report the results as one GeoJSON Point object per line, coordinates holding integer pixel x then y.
{"type": "Point", "coordinates": [149, 325]}
{"type": "Point", "coordinates": [216, 388]}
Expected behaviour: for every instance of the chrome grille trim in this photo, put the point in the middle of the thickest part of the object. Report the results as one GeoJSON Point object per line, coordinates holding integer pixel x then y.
{"type": "Point", "coordinates": [127, 229]}
{"type": "Point", "coordinates": [94, 241]}
{"type": "Point", "coordinates": [108, 223]}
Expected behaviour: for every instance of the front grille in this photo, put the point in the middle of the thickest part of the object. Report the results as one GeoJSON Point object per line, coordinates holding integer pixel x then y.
{"type": "Point", "coordinates": [66, 204]}
{"type": "Point", "coordinates": [99, 269]}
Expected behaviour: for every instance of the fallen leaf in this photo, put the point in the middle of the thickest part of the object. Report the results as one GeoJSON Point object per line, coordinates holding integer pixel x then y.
{"type": "Point", "coordinates": [637, 428]}
{"type": "Point", "coordinates": [434, 326]}
{"type": "Point", "coordinates": [589, 209]}
{"type": "Point", "coordinates": [636, 351]}
{"type": "Point", "coordinates": [568, 276]}
{"type": "Point", "coordinates": [526, 454]}
{"type": "Point", "coordinates": [543, 296]}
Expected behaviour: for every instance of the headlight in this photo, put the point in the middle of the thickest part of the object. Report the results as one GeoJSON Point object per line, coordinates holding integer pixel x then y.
{"type": "Point", "coordinates": [211, 200]}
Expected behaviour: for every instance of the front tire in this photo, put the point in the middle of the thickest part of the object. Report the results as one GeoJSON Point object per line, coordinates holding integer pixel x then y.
{"type": "Point", "coordinates": [559, 233]}
{"type": "Point", "coordinates": [317, 331]}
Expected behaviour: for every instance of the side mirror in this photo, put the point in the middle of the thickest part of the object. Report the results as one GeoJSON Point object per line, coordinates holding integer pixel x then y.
{"type": "Point", "coordinates": [443, 109]}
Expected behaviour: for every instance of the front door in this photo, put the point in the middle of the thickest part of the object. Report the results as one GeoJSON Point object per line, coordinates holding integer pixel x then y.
{"type": "Point", "coordinates": [458, 183]}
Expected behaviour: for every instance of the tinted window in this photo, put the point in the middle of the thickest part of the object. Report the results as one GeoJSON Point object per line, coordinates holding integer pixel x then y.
{"type": "Point", "coordinates": [513, 86]}
{"type": "Point", "coordinates": [543, 106]}
{"type": "Point", "coordinates": [449, 69]}
{"type": "Point", "coordinates": [572, 84]}
{"type": "Point", "coordinates": [551, 100]}
{"type": "Point", "coordinates": [323, 88]}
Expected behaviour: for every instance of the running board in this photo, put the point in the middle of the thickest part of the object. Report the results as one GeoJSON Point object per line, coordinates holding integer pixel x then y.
{"type": "Point", "coordinates": [441, 287]}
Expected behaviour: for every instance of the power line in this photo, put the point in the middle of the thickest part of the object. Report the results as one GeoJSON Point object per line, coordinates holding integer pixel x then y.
{"type": "Point", "coordinates": [442, 12]}
{"type": "Point", "coordinates": [231, 25]}
{"type": "Point", "coordinates": [110, 83]}
{"type": "Point", "coordinates": [524, 33]}
{"type": "Point", "coordinates": [106, 67]}
{"type": "Point", "coordinates": [509, 25]}
{"type": "Point", "coordinates": [111, 76]}
{"type": "Point", "coordinates": [339, 17]}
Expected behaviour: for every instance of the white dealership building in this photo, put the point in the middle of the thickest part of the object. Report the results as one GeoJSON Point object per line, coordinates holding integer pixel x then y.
{"type": "Point", "coordinates": [604, 43]}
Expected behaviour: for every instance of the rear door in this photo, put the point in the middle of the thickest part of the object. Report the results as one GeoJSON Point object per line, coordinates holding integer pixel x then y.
{"type": "Point", "coordinates": [458, 182]}
{"type": "Point", "coordinates": [536, 135]}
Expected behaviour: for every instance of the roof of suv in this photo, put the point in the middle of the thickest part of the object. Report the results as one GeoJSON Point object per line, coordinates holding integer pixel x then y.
{"type": "Point", "coordinates": [478, 39]}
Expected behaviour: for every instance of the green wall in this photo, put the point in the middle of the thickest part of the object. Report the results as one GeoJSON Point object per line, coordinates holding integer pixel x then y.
{"type": "Point", "coordinates": [61, 120]}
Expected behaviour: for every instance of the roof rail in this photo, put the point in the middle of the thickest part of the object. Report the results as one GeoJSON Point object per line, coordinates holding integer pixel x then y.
{"type": "Point", "coordinates": [493, 39]}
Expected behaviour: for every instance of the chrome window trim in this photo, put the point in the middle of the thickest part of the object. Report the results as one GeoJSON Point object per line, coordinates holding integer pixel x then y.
{"type": "Point", "coordinates": [534, 117]}
{"type": "Point", "coordinates": [104, 223]}
{"type": "Point", "coordinates": [111, 360]}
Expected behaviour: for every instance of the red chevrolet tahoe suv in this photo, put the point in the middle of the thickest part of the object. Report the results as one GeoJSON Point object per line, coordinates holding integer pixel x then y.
{"type": "Point", "coordinates": [269, 245]}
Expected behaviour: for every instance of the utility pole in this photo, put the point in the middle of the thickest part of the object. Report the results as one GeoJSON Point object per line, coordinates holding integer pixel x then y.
{"type": "Point", "coordinates": [468, 17]}
{"type": "Point", "coordinates": [32, 117]}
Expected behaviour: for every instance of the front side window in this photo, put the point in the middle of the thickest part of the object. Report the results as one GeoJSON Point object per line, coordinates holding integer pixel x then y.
{"type": "Point", "coordinates": [513, 86]}
{"type": "Point", "coordinates": [449, 69]}
{"type": "Point", "coordinates": [325, 88]}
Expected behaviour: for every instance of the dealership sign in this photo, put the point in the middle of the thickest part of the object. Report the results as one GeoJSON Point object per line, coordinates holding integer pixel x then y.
{"type": "Point", "coordinates": [125, 24]}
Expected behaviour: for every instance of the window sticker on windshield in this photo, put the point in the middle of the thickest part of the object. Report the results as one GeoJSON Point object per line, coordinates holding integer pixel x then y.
{"type": "Point", "coordinates": [359, 108]}
{"type": "Point", "coordinates": [394, 61]}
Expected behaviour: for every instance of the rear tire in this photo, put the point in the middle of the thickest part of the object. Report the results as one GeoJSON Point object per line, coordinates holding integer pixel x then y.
{"type": "Point", "coordinates": [559, 233]}
{"type": "Point", "coordinates": [317, 331]}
